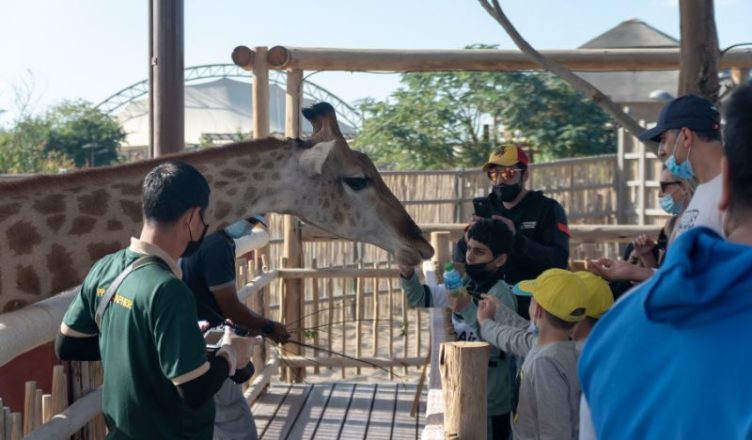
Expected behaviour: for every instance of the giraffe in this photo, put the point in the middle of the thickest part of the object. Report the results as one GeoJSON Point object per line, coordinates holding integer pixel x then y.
{"type": "Point", "coordinates": [54, 227]}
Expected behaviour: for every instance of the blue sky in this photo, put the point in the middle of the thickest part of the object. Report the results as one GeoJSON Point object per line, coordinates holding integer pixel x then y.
{"type": "Point", "coordinates": [92, 48]}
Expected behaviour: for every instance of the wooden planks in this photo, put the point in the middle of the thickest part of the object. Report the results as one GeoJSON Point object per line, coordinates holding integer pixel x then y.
{"type": "Point", "coordinates": [339, 410]}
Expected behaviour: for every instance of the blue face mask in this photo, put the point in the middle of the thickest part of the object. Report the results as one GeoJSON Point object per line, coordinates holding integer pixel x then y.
{"type": "Point", "coordinates": [670, 206]}
{"type": "Point", "coordinates": [681, 170]}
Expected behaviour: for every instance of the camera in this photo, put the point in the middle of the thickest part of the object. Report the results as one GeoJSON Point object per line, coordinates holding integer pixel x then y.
{"type": "Point", "coordinates": [213, 336]}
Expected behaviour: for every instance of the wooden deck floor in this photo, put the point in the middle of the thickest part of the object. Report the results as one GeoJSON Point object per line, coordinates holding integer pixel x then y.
{"type": "Point", "coordinates": [338, 410]}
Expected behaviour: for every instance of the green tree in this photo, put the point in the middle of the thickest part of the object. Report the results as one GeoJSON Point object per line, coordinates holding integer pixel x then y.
{"type": "Point", "coordinates": [83, 134]}
{"type": "Point", "coordinates": [435, 120]}
{"type": "Point", "coordinates": [22, 149]}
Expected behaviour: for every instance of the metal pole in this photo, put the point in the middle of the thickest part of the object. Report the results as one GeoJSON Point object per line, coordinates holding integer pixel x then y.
{"type": "Point", "coordinates": [167, 131]}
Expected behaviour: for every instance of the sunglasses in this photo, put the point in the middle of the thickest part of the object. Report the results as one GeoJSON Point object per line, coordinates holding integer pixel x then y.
{"type": "Point", "coordinates": [665, 185]}
{"type": "Point", "coordinates": [503, 173]}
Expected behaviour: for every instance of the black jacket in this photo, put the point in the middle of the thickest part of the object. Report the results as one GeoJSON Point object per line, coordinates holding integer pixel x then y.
{"type": "Point", "coordinates": [541, 241]}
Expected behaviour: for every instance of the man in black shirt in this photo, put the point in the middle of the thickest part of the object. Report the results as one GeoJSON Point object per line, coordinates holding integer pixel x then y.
{"type": "Point", "coordinates": [539, 224]}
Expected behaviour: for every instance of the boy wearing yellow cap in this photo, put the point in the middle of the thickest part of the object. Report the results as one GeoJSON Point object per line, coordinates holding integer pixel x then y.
{"type": "Point", "coordinates": [547, 391]}
{"type": "Point", "coordinates": [601, 299]}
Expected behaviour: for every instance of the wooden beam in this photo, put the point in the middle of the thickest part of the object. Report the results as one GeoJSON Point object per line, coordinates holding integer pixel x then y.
{"type": "Point", "coordinates": [428, 60]}
{"type": "Point", "coordinates": [260, 98]}
{"type": "Point", "coordinates": [363, 362]}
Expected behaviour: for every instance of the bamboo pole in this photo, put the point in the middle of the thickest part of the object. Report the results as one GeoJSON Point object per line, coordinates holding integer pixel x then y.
{"type": "Point", "coordinates": [431, 60]}
{"type": "Point", "coordinates": [344, 326]}
{"type": "Point", "coordinates": [258, 306]}
{"type": "Point", "coordinates": [59, 389]}
{"type": "Point", "coordinates": [8, 423]}
{"type": "Point", "coordinates": [37, 409]}
{"type": "Point", "coordinates": [405, 329]}
{"type": "Point", "coordinates": [465, 400]}
{"type": "Point", "coordinates": [390, 306]}
{"type": "Point", "coordinates": [315, 316]}
{"type": "Point", "coordinates": [46, 407]}
{"type": "Point", "coordinates": [299, 361]}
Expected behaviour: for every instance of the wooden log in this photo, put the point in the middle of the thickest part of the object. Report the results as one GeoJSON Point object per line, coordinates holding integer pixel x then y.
{"type": "Point", "coordinates": [28, 413]}
{"type": "Point", "coordinates": [315, 316]}
{"type": "Point", "coordinates": [390, 314]}
{"type": "Point", "coordinates": [375, 314]}
{"type": "Point", "coordinates": [431, 60]}
{"type": "Point", "coordinates": [8, 423]}
{"type": "Point", "coordinates": [405, 330]}
{"type": "Point", "coordinates": [260, 98]}
{"type": "Point", "coordinates": [359, 318]}
{"type": "Point", "coordinates": [343, 319]}
{"type": "Point", "coordinates": [243, 57]}
{"type": "Point", "coordinates": [65, 424]}
{"type": "Point", "coordinates": [463, 368]}
{"type": "Point", "coordinates": [2, 421]}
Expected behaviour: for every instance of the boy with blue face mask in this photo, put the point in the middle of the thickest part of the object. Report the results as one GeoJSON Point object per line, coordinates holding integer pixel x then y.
{"type": "Point", "coordinates": [689, 137]}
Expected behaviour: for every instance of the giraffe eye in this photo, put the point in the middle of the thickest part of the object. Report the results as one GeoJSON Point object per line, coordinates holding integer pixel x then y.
{"type": "Point", "coordinates": [356, 183]}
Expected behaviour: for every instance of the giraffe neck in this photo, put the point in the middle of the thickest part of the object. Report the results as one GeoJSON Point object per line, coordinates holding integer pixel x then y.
{"type": "Point", "coordinates": [56, 226]}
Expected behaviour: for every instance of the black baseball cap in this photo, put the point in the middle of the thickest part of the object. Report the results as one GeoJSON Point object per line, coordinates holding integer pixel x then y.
{"type": "Point", "coordinates": [689, 111]}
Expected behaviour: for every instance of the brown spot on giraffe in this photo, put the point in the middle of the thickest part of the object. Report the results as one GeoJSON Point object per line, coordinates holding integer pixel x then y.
{"type": "Point", "coordinates": [268, 165]}
{"type": "Point", "coordinates": [55, 222]}
{"type": "Point", "coordinates": [94, 203]}
{"type": "Point", "coordinates": [247, 163]}
{"type": "Point", "coordinates": [8, 210]}
{"type": "Point", "coordinates": [14, 304]}
{"type": "Point", "coordinates": [22, 237]}
{"type": "Point", "coordinates": [27, 279]}
{"type": "Point", "coordinates": [250, 194]}
{"type": "Point", "coordinates": [51, 204]}
{"type": "Point", "coordinates": [82, 225]}
{"type": "Point", "coordinates": [221, 184]}
{"type": "Point", "coordinates": [222, 209]}
{"type": "Point", "coordinates": [98, 250]}
{"type": "Point", "coordinates": [232, 173]}
{"type": "Point", "coordinates": [114, 225]}
{"type": "Point", "coordinates": [131, 209]}
{"type": "Point", "coordinates": [232, 191]}
{"type": "Point", "coordinates": [258, 175]}
{"type": "Point", "coordinates": [60, 265]}
{"type": "Point", "coordinates": [326, 204]}
{"type": "Point", "coordinates": [128, 189]}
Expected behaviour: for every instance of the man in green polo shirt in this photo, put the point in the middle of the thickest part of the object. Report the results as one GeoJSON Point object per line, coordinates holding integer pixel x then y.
{"type": "Point", "coordinates": [158, 380]}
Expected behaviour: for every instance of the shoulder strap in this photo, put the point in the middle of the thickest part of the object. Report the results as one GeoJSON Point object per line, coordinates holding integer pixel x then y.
{"type": "Point", "coordinates": [110, 292]}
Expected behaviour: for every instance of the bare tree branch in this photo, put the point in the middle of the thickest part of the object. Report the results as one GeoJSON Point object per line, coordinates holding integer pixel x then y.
{"type": "Point", "coordinates": [559, 70]}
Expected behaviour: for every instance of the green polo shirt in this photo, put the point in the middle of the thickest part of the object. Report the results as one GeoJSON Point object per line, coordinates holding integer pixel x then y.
{"type": "Point", "coordinates": [149, 338]}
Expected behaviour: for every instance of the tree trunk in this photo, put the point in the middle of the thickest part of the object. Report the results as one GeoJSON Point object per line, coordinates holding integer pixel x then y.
{"type": "Point", "coordinates": [698, 68]}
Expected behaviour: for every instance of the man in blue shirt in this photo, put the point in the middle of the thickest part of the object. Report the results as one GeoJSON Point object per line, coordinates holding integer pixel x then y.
{"type": "Point", "coordinates": [669, 360]}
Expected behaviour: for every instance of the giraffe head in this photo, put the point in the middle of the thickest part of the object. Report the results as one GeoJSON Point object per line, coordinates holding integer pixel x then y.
{"type": "Point", "coordinates": [352, 199]}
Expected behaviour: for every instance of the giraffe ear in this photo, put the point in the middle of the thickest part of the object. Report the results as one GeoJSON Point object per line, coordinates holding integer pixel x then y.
{"type": "Point", "coordinates": [312, 160]}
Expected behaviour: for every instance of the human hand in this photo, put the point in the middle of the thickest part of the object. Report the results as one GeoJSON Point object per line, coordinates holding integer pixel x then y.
{"type": "Point", "coordinates": [612, 270]}
{"type": "Point", "coordinates": [280, 334]}
{"type": "Point", "coordinates": [237, 350]}
{"type": "Point", "coordinates": [457, 303]}
{"type": "Point", "coordinates": [486, 308]}
{"type": "Point", "coordinates": [508, 222]}
{"type": "Point", "coordinates": [643, 244]}
{"type": "Point", "coordinates": [203, 326]}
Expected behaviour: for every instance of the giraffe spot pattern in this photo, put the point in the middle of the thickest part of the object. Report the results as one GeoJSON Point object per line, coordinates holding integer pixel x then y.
{"type": "Point", "coordinates": [247, 163]}
{"type": "Point", "coordinates": [231, 173]}
{"type": "Point", "coordinates": [275, 176]}
{"type": "Point", "coordinates": [250, 194]}
{"type": "Point", "coordinates": [82, 225]}
{"type": "Point", "coordinates": [50, 204]}
{"type": "Point", "coordinates": [131, 209]}
{"type": "Point", "coordinates": [8, 210]}
{"type": "Point", "coordinates": [94, 203]}
{"type": "Point", "coordinates": [232, 191]}
{"type": "Point", "coordinates": [27, 280]}
{"type": "Point", "coordinates": [221, 184]}
{"type": "Point", "coordinates": [60, 265]}
{"type": "Point", "coordinates": [22, 237]}
{"type": "Point", "coordinates": [128, 189]}
{"type": "Point", "coordinates": [114, 225]}
{"type": "Point", "coordinates": [222, 209]}
{"type": "Point", "coordinates": [258, 175]}
{"type": "Point", "coordinates": [99, 250]}
{"type": "Point", "coordinates": [55, 222]}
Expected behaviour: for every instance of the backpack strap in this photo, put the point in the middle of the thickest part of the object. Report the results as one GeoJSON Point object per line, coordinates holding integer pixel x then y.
{"type": "Point", "coordinates": [110, 292]}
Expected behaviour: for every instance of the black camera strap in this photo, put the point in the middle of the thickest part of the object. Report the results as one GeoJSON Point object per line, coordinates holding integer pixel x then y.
{"type": "Point", "coordinates": [110, 292]}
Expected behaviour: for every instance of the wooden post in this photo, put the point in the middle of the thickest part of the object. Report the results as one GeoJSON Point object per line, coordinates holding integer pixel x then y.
{"type": "Point", "coordinates": [260, 98]}
{"type": "Point", "coordinates": [390, 314]}
{"type": "Point", "coordinates": [463, 368]}
{"type": "Point", "coordinates": [37, 422]}
{"type": "Point", "coordinates": [46, 407]}
{"type": "Point", "coordinates": [315, 316]}
{"type": "Point", "coordinates": [59, 389]}
{"type": "Point", "coordinates": [329, 328]}
{"type": "Point", "coordinates": [359, 317]}
{"type": "Point", "coordinates": [641, 175]}
{"type": "Point", "coordinates": [293, 246]}
{"type": "Point", "coordinates": [16, 426]}
{"type": "Point", "coordinates": [167, 77]}
{"type": "Point", "coordinates": [375, 314]}
{"type": "Point", "coordinates": [2, 421]}
{"type": "Point", "coordinates": [620, 181]}
{"type": "Point", "coordinates": [28, 413]}
{"type": "Point", "coordinates": [8, 423]}
{"type": "Point", "coordinates": [344, 320]}
{"type": "Point", "coordinates": [405, 329]}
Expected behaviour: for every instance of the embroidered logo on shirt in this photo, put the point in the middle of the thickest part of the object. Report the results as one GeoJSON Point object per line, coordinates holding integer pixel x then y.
{"type": "Point", "coordinates": [528, 225]}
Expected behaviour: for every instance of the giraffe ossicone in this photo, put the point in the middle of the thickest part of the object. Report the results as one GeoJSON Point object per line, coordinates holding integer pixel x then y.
{"type": "Point", "coordinates": [54, 227]}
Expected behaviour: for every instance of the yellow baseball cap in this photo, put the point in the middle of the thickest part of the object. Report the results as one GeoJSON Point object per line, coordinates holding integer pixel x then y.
{"type": "Point", "coordinates": [601, 297]}
{"type": "Point", "coordinates": [506, 156]}
{"type": "Point", "coordinates": [560, 293]}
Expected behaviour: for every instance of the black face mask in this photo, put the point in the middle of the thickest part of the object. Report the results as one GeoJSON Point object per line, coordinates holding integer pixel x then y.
{"type": "Point", "coordinates": [507, 193]}
{"type": "Point", "coordinates": [479, 272]}
{"type": "Point", "coordinates": [194, 245]}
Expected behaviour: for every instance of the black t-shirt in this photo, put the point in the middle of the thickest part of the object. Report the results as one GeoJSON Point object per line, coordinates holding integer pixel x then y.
{"type": "Point", "coordinates": [541, 241]}
{"type": "Point", "coordinates": [212, 267]}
